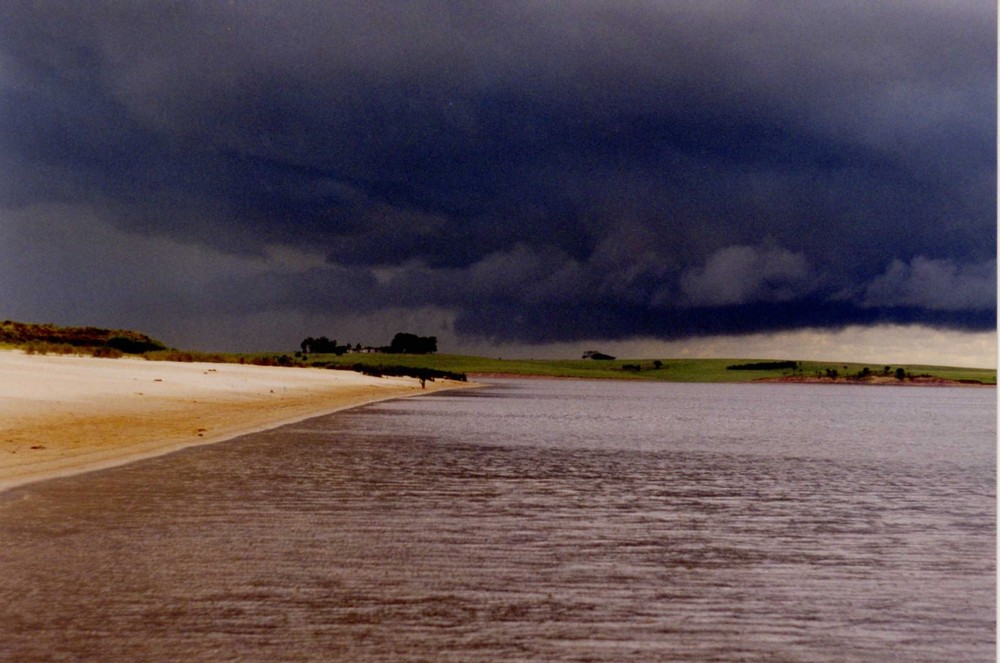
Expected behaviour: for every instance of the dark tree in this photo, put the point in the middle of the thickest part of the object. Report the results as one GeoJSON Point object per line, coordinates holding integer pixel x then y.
{"type": "Point", "coordinates": [411, 344]}
{"type": "Point", "coordinates": [322, 345]}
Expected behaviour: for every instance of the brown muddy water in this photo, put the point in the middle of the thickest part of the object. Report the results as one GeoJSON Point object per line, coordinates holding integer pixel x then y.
{"type": "Point", "coordinates": [532, 521]}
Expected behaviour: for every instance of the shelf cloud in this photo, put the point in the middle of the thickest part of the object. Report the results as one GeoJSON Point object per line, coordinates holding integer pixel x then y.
{"type": "Point", "coordinates": [535, 172]}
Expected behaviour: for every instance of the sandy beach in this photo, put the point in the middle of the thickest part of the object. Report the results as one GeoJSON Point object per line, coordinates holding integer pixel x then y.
{"type": "Point", "coordinates": [62, 415]}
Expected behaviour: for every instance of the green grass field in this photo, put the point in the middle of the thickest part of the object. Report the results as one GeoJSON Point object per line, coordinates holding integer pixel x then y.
{"type": "Point", "coordinates": [670, 370]}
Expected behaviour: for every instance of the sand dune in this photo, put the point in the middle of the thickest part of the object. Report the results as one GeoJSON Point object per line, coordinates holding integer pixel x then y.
{"type": "Point", "coordinates": [66, 414]}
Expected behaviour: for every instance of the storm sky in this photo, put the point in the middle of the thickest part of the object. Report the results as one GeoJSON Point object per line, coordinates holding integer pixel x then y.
{"type": "Point", "coordinates": [240, 175]}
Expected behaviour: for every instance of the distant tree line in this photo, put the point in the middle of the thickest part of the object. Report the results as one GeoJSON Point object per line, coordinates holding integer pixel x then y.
{"type": "Point", "coordinates": [322, 345]}
{"type": "Point", "coordinates": [402, 343]}
{"type": "Point", "coordinates": [866, 372]}
{"type": "Point", "coordinates": [411, 344]}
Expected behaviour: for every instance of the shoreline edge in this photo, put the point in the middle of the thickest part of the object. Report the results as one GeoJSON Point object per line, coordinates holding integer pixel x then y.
{"type": "Point", "coordinates": [68, 415]}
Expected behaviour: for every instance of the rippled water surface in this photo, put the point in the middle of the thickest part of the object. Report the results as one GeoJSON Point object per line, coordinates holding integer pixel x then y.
{"type": "Point", "coordinates": [532, 521]}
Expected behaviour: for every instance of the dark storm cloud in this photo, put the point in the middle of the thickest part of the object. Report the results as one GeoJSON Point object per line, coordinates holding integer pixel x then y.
{"type": "Point", "coordinates": [547, 171]}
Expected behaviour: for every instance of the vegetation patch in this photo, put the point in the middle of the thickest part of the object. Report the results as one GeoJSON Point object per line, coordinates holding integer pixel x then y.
{"type": "Point", "coordinates": [666, 370]}
{"type": "Point", "coordinates": [381, 370]}
{"type": "Point", "coordinates": [46, 338]}
{"type": "Point", "coordinates": [597, 356]}
{"type": "Point", "coordinates": [186, 356]}
{"type": "Point", "coordinates": [765, 366]}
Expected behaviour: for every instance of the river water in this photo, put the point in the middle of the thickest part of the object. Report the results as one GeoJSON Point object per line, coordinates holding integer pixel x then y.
{"type": "Point", "coordinates": [533, 520]}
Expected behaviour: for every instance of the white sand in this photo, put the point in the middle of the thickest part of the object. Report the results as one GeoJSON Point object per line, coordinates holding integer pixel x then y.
{"type": "Point", "coordinates": [65, 414]}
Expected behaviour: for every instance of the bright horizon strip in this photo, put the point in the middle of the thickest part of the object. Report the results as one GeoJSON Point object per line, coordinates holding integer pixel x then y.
{"type": "Point", "coordinates": [883, 344]}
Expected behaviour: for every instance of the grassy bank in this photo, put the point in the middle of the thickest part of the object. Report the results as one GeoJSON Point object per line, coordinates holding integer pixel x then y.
{"type": "Point", "coordinates": [669, 370]}
{"type": "Point", "coordinates": [665, 370]}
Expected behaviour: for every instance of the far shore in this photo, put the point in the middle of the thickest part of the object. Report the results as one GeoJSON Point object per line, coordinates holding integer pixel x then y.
{"type": "Point", "coordinates": [879, 381]}
{"type": "Point", "coordinates": [62, 415]}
